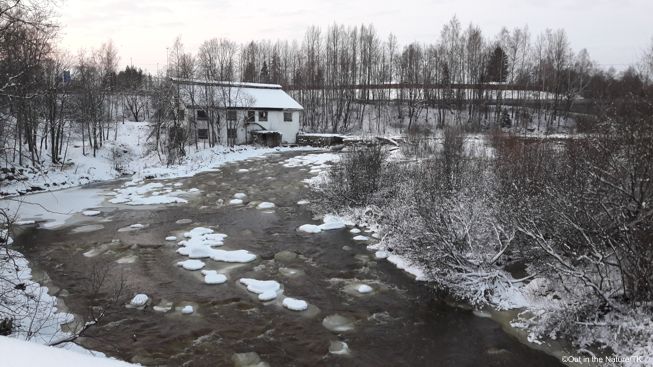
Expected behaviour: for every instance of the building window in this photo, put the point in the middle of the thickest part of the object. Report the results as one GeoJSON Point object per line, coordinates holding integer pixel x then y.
{"type": "Point", "coordinates": [262, 115]}
{"type": "Point", "coordinates": [201, 115]}
{"type": "Point", "coordinates": [287, 116]}
{"type": "Point", "coordinates": [250, 116]}
{"type": "Point", "coordinates": [232, 115]}
{"type": "Point", "coordinates": [202, 133]}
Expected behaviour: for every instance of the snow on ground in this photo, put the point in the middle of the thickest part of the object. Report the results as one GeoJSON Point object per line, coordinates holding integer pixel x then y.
{"type": "Point", "coordinates": [19, 353]}
{"type": "Point", "coordinates": [91, 213]}
{"type": "Point", "coordinates": [303, 202]}
{"type": "Point", "coordinates": [36, 315]}
{"type": "Point", "coordinates": [294, 304]}
{"type": "Point", "coordinates": [171, 238]}
{"type": "Point", "coordinates": [267, 290]}
{"type": "Point", "coordinates": [213, 277]}
{"type": "Point", "coordinates": [187, 310]}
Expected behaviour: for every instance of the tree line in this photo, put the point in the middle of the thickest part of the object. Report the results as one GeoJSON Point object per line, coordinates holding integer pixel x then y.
{"type": "Point", "coordinates": [347, 78]}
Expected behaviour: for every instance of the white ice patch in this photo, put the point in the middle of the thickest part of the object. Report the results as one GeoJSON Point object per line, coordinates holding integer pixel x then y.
{"type": "Point", "coordinates": [240, 195]}
{"type": "Point", "coordinates": [332, 222]}
{"type": "Point", "coordinates": [364, 288]}
{"type": "Point", "coordinates": [171, 238]}
{"type": "Point", "coordinates": [303, 202]}
{"type": "Point", "coordinates": [309, 228]}
{"type": "Point", "coordinates": [408, 267]}
{"type": "Point", "coordinates": [381, 254]}
{"type": "Point", "coordinates": [137, 226]}
{"type": "Point", "coordinates": [267, 290]}
{"type": "Point", "coordinates": [243, 170]}
{"type": "Point", "coordinates": [200, 242]}
{"type": "Point", "coordinates": [355, 230]}
{"type": "Point", "coordinates": [191, 264]}
{"type": "Point", "coordinates": [235, 202]}
{"type": "Point", "coordinates": [294, 304]}
{"type": "Point", "coordinates": [361, 238]}
{"type": "Point", "coordinates": [132, 194]}
{"type": "Point", "coordinates": [139, 300]}
{"type": "Point", "coordinates": [51, 209]}
{"type": "Point", "coordinates": [91, 213]}
{"type": "Point", "coordinates": [213, 277]}
{"type": "Point", "coordinates": [265, 205]}
{"type": "Point", "coordinates": [5, 237]}
{"type": "Point", "coordinates": [187, 310]}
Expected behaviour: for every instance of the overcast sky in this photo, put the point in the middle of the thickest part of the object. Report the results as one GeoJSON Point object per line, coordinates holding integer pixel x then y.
{"type": "Point", "coordinates": [615, 32]}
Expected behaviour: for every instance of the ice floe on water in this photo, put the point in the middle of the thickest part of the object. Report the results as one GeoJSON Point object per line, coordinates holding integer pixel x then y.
{"type": "Point", "coordinates": [249, 359]}
{"type": "Point", "coordinates": [235, 202]}
{"type": "Point", "coordinates": [364, 288]}
{"type": "Point", "coordinates": [187, 310]}
{"type": "Point", "coordinates": [200, 242]}
{"type": "Point", "coordinates": [192, 264]}
{"type": "Point", "coordinates": [153, 193]}
{"type": "Point", "coordinates": [361, 238]}
{"type": "Point", "coordinates": [381, 254]}
{"type": "Point", "coordinates": [309, 228]}
{"type": "Point", "coordinates": [267, 290]}
{"type": "Point", "coordinates": [355, 231]}
{"type": "Point", "coordinates": [338, 348]}
{"type": "Point", "coordinates": [213, 277]}
{"type": "Point", "coordinates": [337, 323]}
{"type": "Point", "coordinates": [329, 223]}
{"type": "Point", "coordinates": [139, 300]}
{"type": "Point", "coordinates": [316, 161]}
{"type": "Point", "coordinates": [240, 195]}
{"type": "Point", "coordinates": [91, 213]}
{"type": "Point", "coordinates": [51, 209]}
{"type": "Point", "coordinates": [294, 304]}
{"type": "Point", "coordinates": [265, 205]}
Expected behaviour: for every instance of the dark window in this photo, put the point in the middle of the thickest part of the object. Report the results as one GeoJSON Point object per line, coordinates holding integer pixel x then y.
{"type": "Point", "coordinates": [202, 133]}
{"type": "Point", "coordinates": [262, 115]}
{"type": "Point", "coordinates": [250, 116]}
{"type": "Point", "coordinates": [231, 134]}
{"type": "Point", "coordinates": [232, 115]}
{"type": "Point", "coordinates": [287, 116]}
{"type": "Point", "coordinates": [201, 115]}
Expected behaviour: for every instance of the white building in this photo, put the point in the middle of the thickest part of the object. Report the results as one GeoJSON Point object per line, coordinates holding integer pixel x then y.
{"type": "Point", "coordinates": [239, 113]}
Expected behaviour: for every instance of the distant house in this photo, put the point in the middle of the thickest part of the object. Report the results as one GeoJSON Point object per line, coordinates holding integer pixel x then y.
{"type": "Point", "coordinates": [239, 113]}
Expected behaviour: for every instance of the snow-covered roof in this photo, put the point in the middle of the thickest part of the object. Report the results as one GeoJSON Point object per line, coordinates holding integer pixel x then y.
{"type": "Point", "coordinates": [234, 95]}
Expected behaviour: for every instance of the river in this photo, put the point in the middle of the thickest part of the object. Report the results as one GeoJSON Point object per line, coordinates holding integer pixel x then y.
{"type": "Point", "coordinates": [400, 323]}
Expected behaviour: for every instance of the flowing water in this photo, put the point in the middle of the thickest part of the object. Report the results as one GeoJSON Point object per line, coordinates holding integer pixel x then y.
{"type": "Point", "coordinates": [400, 323]}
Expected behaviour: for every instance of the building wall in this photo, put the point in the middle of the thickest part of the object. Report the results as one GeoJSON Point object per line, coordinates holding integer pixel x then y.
{"type": "Point", "coordinates": [275, 122]}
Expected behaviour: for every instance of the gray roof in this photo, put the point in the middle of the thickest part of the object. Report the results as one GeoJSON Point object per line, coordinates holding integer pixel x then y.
{"type": "Point", "coordinates": [234, 95]}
